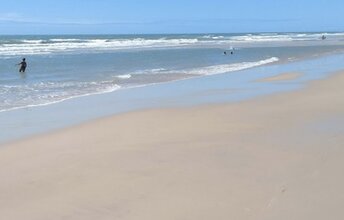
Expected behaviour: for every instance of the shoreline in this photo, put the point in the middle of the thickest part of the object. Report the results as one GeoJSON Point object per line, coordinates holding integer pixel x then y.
{"type": "Point", "coordinates": [272, 157]}
{"type": "Point", "coordinates": [213, 89]}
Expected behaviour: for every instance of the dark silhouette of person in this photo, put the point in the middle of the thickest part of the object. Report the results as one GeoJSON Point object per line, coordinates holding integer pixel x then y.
{"type": "Point", "coordinates": [23, 66]}
{"type": "Point", "coordinates": [225, 53]}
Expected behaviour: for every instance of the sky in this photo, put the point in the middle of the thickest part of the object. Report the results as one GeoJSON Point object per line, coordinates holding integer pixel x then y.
{"type": "Point", "coordinates": [169, 16]}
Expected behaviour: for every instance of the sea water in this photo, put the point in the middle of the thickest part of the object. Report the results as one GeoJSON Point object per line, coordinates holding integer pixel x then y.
{"type": "Point", "coordinates": [69, 66]}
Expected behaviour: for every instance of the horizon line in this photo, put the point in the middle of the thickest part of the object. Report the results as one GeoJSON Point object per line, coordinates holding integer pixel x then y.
{"type": "Point", "coordinates": [177, 33]}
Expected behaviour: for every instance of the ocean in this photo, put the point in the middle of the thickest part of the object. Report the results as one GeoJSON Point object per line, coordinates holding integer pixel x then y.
{"type": "Point", "coordinates": [62, 67]}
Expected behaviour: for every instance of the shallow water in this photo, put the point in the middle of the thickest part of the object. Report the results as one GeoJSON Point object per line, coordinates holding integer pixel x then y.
{"type": "Point", "coordinates": [65, 67]}
{"type": "Point", "coordinates": [221, 88]}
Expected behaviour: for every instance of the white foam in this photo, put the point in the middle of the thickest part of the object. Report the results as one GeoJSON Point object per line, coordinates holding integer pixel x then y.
{"type": "Point", "coordinates": [261, 38]}
{"type": "Point", "coordinates": [65, 40]}
{"type": "Point", "coordinates": [218, 69]}
{"type": "Point", "coordinates": [286, 37]}
{"type": "Point", "coordinates": [29, 47]}
{"type": "Point", "coordinates": [152, 71]}
{"type": "Point", "coordinates": [124, 76]}
{"type": "Point", "coordinates": [41, 94]}
{"type": "Point", "coordinates": [32, 41]}
{"type": "Point", "coordinates": [212, 70]}
{"type": "Point", "coordinates": [58, 45]}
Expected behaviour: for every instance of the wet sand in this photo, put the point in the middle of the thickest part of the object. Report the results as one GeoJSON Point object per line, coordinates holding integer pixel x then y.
{"type": "Point", "coordinates": [281, 77]}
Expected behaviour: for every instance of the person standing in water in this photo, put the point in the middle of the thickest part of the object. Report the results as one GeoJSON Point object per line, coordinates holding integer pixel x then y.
{"type": "Point", "coordinates": [23, 66]}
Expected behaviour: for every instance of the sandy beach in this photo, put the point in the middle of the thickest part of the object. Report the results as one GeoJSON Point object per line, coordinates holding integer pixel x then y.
{"type": "Point", "coordinates": [274, 157]}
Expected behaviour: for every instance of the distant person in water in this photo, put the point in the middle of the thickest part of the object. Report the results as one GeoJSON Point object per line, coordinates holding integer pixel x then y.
{"type": "Point", "coordinates": [323, 37]}
{"type": "Point", "coordinates": [23, 66]}
{"type": "Point", "coordinates": [225, 53]}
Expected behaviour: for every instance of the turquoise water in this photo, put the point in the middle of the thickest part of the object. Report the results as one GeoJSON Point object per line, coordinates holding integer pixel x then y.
{"type": "Point", "coordinates": [65, 67]}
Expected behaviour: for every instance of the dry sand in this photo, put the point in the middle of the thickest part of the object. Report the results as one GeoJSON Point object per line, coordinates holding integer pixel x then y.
{"type": "Point", "coordinates": [278, 157]}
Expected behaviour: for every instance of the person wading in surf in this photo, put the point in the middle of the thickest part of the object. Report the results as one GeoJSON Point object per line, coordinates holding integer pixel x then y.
{"type": "Point", "coordinates": [23, 66]}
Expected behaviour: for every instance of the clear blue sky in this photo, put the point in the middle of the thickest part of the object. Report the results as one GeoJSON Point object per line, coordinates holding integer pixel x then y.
{"type": "Point", "coordinates": [168, 16]}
